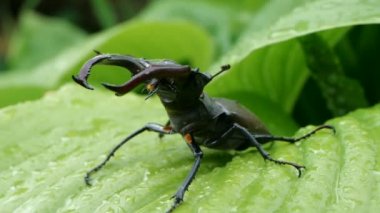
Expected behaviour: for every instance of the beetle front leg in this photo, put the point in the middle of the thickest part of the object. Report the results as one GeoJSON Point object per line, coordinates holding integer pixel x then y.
{"type": "Point", "coordinates": [148, 127]}
{"type": "Point", "coordinates": [198, 154]}
{"type": "Point", "coordinates": [166, 126]}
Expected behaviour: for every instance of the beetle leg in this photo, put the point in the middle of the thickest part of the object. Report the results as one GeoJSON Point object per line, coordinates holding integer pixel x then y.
{"type": "Point", "coordinates": [198, 154]}
{"type": "Point", "coordinates": [267, 138]}
{"type": "Point", "coordinates": [148, 127]}
{"type": "Point", "coordinates": [265, 154]}
{"type": "Point", "coordinates": [167, 126]}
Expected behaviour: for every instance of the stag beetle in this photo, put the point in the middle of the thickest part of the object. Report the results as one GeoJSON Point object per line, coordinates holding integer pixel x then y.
{"type": "Point", "coordinates": [202, 120]}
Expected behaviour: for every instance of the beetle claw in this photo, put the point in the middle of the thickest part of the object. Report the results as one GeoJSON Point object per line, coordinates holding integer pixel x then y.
{"type": "Point", "coordinates": [142, 70]}
{"type": "Point", "coordinates": [113, 87]}
{"type": "Point", "coordinates": [97, 52]}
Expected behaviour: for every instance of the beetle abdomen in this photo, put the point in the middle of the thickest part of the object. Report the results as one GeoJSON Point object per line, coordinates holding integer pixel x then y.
{"type": "Point", "coordinates": [242, 116]}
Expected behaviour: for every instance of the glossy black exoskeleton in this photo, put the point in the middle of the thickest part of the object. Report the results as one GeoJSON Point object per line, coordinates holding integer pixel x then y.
{"type": "Point", "coordinates": [202, 120]}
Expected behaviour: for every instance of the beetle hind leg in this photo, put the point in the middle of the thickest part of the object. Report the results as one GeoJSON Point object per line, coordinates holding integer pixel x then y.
{"type": "Point", "coordinates": [254, 142]}
{"type": "Point", "coordinates": [268, 138]}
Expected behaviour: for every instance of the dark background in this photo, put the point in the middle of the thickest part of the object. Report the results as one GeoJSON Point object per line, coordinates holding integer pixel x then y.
{"type": "Point", "coordinates": [90, 15]}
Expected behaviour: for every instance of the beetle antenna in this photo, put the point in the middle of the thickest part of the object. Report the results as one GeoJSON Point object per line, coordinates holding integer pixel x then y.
{"type": "Point", "coordinates": [223, 68]}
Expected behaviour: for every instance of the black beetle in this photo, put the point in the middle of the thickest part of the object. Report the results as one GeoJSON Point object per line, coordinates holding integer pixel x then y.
{"type": "Point", "coordinates": [202, 120]}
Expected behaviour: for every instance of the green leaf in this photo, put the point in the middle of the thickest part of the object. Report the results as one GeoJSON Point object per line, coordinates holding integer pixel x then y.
{"type": "Point", "coordinates": [268, 61]}
{"type": "Point", "coordinates": [46, 147]}
{"type": "Point", "coordinates": [326, 69]}
{"type": "Point", "coordinates": [227, 21]}
{"type": "Point", "coordinates": [301, 19]}
{"type": "Point", "coordinates": [38, 39]}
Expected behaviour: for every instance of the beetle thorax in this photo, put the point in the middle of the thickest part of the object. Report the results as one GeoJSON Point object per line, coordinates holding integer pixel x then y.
{"type": "Point", "coordinates": [182, 93]}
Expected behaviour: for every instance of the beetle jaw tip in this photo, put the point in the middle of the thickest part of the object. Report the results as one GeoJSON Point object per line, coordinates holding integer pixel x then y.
{"type": "Point", "coordinates": [82, 82]}
{"type": "Point", "coordinates": [114, 88]}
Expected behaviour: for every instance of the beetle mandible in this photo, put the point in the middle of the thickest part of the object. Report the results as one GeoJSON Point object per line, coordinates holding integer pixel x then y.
{"type": "Point", "coordinates": [202, 120]}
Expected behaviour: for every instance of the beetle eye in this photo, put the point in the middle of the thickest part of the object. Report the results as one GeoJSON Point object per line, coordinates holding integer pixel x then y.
{"type": "Point", "coordinates": [172, 86]}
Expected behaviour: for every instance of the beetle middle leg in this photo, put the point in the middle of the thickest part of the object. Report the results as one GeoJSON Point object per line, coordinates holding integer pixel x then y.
{"type": "Point", "coordinates": [148, 127]}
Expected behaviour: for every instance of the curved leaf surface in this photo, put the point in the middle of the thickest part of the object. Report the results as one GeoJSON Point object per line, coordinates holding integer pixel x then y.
{"type": "Point", "coordinates": [68, 132]}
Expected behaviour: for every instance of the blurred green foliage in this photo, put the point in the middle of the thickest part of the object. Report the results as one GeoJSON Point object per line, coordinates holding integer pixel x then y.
{"type": "Point", "coordinates": [259, 40]}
